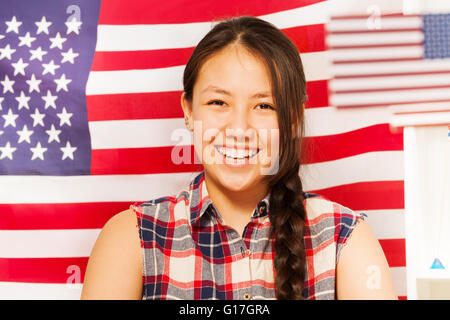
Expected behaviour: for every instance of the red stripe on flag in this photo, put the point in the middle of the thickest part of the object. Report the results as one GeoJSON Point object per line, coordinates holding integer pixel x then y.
{"type": "Point", "coordinates": [317, 92]}
{"type": "Point", "coordinates": [340, 62]}
{"type": "Point", "coordinates": [137, 161]}
{"type": "Point", "coordinates": [394, 250]}
{"type": "Point", "coordinates": [384, 45]}
{"type": "Point", "coordinates": [386, 15]}
{"type": "Point", "coordinates": [368, 139]}
{"type": "Point", "coordinates": [134, 106]}
{"type": "Point", "coordinates": [372, 195]}
{"type": "Point", "coordinates": [117, 12]}
{"type": "Point", "coordinates": [316, 149]}
{"type": "Point", "coordinates": [43, 270]}
{"type": "Point", "coordinates": [307, 38]}
{"type": "Point", "coordinates": [44, 216]}
{"type": "Point", "coordinates": [163, 105]}
{"type": "Point", "coordinates": [57, 216]}
{"type": "Point", "coordinates": [364, 76]}
{"type": "Point", "coordinates": [70, 270]}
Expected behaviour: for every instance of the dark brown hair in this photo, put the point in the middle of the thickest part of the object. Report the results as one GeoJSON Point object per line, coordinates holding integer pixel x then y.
{"type": "Point", "coordinates": [287, 212]}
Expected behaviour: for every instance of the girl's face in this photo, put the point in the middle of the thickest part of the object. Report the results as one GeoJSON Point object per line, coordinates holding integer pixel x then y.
{"type": "Point", "coordinates": [234, 118]}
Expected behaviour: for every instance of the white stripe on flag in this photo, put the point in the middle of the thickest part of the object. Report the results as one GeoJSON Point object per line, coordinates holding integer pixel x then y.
{"type": "Point", "coordinates": [361, 54]}
{"type": "Point", "coordinates": [387, 224]}
{"type": "Point", "coordinates": [104, 188]}
{"type": "Point", "coordinates": [386, 23]}
{"type": "Point", "coordinates": [365, 39]}
{"type": "Point", "coordinates": [387, 97]}
{"type": "Point", "coordinates": [39, 291]}
{"type": "Point", "coordinates": [420, 80]}
{"type": "Point", "coordinates": [379, 68]}
{"type": "Point", "coordinates": [360, 168]}
{"type": "Point", "coordinates": [316, 65]}
{"type": "Point", "coordinates": [138, 133]}
{"type": "Point", "coordinates": [158, 132]}
{"type": "Point", "coordinates": [69, 243]}
{"type": "Point", "coordinates": [48, 243]}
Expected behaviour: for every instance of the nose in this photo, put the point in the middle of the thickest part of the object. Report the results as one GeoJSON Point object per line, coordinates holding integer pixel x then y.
{"type": "Point", "coordinates": [239, 129]}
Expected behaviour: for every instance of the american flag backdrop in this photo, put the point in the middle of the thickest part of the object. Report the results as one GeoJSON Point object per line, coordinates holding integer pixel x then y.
{"type": "Point", "coordinates": [90, 99]}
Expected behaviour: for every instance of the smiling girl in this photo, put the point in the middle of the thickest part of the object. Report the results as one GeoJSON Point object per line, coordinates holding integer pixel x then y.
{"type": "Point", "coordinates": [243, 228]}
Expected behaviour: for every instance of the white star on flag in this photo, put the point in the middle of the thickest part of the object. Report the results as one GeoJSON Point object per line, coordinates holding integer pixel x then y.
{"type": "Point", "coordinates": [49, 68]}
{"type": "Point", "coordinates": [57, 41]}
{"type": "Point", "coordinates": [33, 83]}
{"type": "Point", "coordinates": [13, 25]}
{"type": "Point", "coordinates": [6, 52]}
{"type": "Point", "coordinates": [37, 54]}
{"type": "Point", "coordinates": [19, 67]}
{"type": "Point", "coordinates": [53, 134]}
{"type": "Point", "coordinates": [24, 134]}
{"type": "Point", "coordinates": [62, 83]}
{"type": "Point", "coordinates": [7, 84]}
{"type": "Point", "coordinates": [43, 25]}
{"type": "Point", "coordinates": [38, 118]}
{"type": "Point", "coordinates": [23, 101]}
{"type": "Point", "coordinates": [69, 56]}
{"type": "Point", "coordinates": [49, 100]}
{"type": "Point", "coordinates": [26, 40]}
{"type": "Point", "coordinates": [38, 152]}
{"type": "Point", "coordinates": [7, 151]}
{"type": "Point", "coordinates": [64, 117]}
{"type": "Point", "coordinates": [1, 100]}
{"type": "Point", "coordinates": [68, 151]}
{"type": "Point", "coordinates": [10, 119]}
{"type": "Point", "coordinates": [73, 25]}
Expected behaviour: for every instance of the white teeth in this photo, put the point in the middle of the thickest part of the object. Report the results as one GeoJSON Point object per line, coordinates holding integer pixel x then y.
{"type": "Point", "coordinates": [236, 154]}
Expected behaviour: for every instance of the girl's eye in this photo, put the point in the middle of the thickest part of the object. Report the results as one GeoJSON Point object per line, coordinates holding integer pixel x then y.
{"type": "Point", "coordinates": [216, 102]}
{"type": "Point", "coordinates": [265, 106]}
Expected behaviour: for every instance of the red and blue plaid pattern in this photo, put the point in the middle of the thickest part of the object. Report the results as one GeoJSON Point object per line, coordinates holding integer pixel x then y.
{"type": "Point", "coordinates": [190, 253]}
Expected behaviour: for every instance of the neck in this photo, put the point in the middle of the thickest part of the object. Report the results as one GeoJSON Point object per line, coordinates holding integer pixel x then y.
{"type": "Point", "coordinates": [235, 207]}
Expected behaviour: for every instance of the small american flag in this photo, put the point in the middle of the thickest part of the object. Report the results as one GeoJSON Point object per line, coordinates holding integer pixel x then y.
{"type": "Point", "coordinates": [404, 59]}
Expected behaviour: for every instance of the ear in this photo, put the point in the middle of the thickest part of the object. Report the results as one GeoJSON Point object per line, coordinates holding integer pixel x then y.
{"type": "Point", "coordinates": [187, 110]}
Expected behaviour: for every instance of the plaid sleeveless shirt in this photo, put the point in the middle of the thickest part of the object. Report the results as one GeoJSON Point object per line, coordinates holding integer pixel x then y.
{"type": "Point", "coordinates": [190, 253]}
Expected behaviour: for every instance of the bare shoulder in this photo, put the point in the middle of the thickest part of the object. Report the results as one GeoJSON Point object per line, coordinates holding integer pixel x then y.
{"type": "Point", "coordinates": [362, 271]}
{"type": "Point", "coordinates": [114, 269]}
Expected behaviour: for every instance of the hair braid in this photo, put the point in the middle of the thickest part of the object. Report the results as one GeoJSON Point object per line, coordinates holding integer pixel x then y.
{"type": "Point", "coordinates": [287, 220]}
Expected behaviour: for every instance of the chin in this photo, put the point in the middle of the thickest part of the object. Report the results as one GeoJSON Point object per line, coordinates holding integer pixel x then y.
{"type": "Point", "coordinates": [234, 179]}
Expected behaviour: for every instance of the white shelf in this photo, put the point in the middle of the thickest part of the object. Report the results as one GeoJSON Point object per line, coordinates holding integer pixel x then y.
{"type": "Point", "coordinates": [433, 274]}
{"type": "Point", "coordinates": [427, 211]}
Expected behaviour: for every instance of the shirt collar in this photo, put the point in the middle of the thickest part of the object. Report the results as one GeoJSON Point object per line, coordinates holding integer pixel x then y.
{"type": "Point", "coordinates": [200, 202]}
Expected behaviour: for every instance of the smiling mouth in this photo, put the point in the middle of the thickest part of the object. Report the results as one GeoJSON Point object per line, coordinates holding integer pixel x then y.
{"type": "Point", "coordinates": [237, 153]}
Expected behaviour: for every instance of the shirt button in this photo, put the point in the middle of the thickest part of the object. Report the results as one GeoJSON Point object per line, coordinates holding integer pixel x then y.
{"type": "Point", "coordinates": [261, 210]}
{"type": "Point", "coordinates": [247, 296]}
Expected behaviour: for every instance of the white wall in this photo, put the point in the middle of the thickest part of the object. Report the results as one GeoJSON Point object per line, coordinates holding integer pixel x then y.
{"type": "Point", "coordinates": [426, 6]}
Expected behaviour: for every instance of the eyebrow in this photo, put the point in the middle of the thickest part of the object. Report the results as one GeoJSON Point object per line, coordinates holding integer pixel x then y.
{"type": "Point", "coordinates": [216, 89]}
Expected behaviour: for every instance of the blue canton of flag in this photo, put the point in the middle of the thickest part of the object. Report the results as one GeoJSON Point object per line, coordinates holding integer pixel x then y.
{"type": "Point", "coordinates": [46, 51]}
{"type": "Point", "coordinates": [436, 29]}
